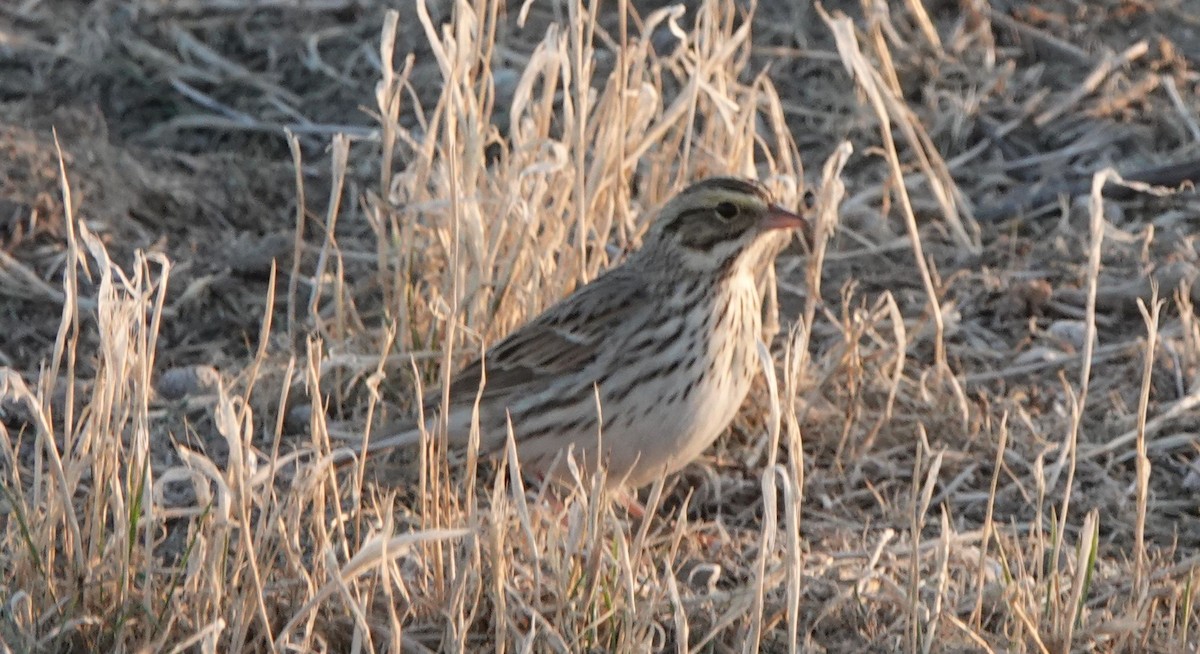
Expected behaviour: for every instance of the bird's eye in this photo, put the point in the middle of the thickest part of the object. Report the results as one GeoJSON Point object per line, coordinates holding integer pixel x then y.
{"type": "Point", "coordinates": [810, 200]}
{"type": "Point", "coordinates": [727, 210]}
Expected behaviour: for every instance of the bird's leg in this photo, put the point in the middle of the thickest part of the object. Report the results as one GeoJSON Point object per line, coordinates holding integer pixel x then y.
{"type": "Point", "coordinates": [633, 506]}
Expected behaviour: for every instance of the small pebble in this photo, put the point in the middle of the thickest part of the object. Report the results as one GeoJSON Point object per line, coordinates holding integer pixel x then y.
{"type": "Point", "coordinates": [1191, 481]}
{"type": "Point", "coordinates": [297, 419]}
{"type": "Point", "coordinates": [1070, 333]}
{"type": "Point", "coordinates": [184, 381]}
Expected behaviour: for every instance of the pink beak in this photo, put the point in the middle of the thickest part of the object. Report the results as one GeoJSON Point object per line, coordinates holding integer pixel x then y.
{"type": "Point", "coordinates": [779, 218]}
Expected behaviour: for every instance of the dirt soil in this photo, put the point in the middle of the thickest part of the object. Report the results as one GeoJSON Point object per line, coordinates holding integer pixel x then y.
{"type": "Point", "coordinates": [170, 118]}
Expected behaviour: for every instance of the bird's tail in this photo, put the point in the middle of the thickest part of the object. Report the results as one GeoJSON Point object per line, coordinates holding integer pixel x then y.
{"type": "Point", "coordinates": [355, 447]}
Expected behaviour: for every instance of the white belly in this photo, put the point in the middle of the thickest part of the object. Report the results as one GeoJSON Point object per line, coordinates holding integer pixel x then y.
{"type": "Point", "coordinates": [661, 426]}
{"type": "Point", "coordinates": [673, 435]}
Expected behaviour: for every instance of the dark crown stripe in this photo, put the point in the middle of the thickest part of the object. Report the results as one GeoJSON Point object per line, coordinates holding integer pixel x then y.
{"type": "Point", "coordinates": [733, 185]}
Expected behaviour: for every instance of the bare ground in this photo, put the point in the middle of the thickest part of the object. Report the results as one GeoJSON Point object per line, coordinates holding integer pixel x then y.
{"type": "Point", "coordinates": [943, 505]}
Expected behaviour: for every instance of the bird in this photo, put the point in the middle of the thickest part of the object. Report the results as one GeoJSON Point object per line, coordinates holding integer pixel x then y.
{"type": "Point", "coordinates": [641, 369]}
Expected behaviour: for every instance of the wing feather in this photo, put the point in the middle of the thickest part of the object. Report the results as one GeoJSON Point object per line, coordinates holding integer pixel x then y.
{"type": "Point", "coordinates": [563, 339]}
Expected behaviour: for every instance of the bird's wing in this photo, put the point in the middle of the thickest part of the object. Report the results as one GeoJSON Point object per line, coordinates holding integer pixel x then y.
{"type": "Point", "coordinates": [564, 339]}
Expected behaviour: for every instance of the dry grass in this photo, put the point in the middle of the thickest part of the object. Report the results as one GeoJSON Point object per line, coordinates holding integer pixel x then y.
{"type": "Point", "coordinates": [971, 435]}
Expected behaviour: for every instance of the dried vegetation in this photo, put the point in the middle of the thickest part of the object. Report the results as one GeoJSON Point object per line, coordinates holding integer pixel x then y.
{"type": "Point", "coordinates": [977, 431]}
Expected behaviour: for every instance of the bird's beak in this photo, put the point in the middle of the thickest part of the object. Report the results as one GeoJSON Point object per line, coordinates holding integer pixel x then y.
{"type": "Point", "coordinates": [779, 218]}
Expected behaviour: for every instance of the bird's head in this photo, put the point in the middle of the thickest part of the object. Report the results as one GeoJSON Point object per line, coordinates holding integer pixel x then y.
{"type": "Point", "coordinates": [721, 223]}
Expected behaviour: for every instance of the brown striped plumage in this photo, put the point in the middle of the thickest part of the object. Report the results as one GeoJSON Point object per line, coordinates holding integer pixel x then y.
{"type": "Point", "coordinates": [652, 359]}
